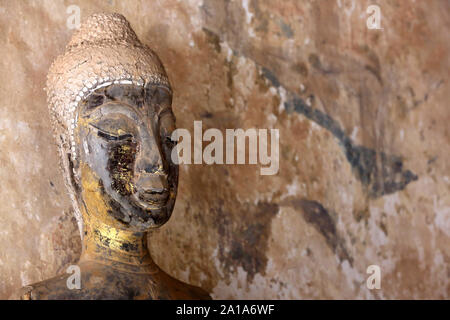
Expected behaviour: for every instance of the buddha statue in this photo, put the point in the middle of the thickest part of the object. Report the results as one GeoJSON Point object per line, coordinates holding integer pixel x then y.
{"type": "Point", "coordinates": [110, 104]}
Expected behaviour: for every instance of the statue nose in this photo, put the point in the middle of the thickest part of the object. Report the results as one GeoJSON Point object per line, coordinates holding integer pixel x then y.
{"type": "Point", "coordinates": [149, 160]}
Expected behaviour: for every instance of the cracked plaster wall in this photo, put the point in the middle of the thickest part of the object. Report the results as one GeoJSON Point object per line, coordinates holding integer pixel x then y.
{"type": "Point", "coordinates": [364, 168]}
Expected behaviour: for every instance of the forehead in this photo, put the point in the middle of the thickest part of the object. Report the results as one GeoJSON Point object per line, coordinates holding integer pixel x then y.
{"type": "Point", "coordinates": [150, 98]}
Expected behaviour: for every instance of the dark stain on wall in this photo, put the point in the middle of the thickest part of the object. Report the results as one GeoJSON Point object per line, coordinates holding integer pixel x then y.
{"type": "Point", "coordinates": [271, 77]}
{"type": "Point", "coordinates": [315, 214]}
{"type": "Point", "coordinates": [243, 240]}
{"type": "Point", "coordinates": [68, 240]}
{"type": "Point", "coordinates": [379, 172]}
{"type": "Point", "coordinates": [213, 39]}
{"type": "Point", "coordinates": [285, 29]}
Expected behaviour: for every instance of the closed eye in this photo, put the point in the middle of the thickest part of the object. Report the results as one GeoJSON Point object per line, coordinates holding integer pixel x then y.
{"type": "Point", "coordinates": [111, 137]}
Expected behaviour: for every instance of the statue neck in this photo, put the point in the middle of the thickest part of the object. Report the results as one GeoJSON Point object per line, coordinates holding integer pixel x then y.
{"type": "Point", "coordinates": [117, 248]}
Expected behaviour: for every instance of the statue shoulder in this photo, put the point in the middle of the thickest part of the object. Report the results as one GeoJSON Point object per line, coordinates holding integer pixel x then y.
{"type": "Point", "coordinates": [198, 293]}
{"type": "Point", "coordinates": [23, 293]}
{"type": "Point", "coordinates": [53, 288]}
{"type": "Point", "coordinates": [180, 290]}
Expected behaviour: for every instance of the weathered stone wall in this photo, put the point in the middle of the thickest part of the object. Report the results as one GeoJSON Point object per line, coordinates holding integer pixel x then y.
{"type": "Point", "coordinates": [364, 145]}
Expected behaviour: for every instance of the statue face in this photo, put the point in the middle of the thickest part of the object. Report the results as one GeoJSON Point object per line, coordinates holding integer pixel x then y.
{"type": "Point", "coordinates": [127, 175]}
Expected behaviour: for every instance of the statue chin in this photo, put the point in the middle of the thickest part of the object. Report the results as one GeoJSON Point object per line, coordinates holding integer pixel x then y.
{"type": "Point", "coordinates": [114, 134]}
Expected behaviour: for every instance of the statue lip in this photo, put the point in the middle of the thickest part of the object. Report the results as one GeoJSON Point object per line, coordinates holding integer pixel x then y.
{"type": "Point", "coordinates": [152, 199]}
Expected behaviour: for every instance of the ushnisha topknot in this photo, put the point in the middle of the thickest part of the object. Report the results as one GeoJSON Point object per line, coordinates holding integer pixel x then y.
{"type": "Point", "coordinates": [104, 51]}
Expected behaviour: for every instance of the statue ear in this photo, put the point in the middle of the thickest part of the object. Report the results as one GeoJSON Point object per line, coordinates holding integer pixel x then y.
{"type": "Point", "coordinates": [69, 167]}
{"type": "Point", "coordinates": [71, 180]}
{"type": "Point", "coordinates": [74, 173]}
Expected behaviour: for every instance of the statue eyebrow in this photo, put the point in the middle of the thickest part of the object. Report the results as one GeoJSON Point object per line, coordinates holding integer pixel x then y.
{"type": "Point", "coordinates": [100, 110]}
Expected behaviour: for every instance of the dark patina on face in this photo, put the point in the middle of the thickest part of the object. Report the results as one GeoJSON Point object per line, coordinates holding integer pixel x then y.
{"type": "Point", "coordinates": [124, 137]}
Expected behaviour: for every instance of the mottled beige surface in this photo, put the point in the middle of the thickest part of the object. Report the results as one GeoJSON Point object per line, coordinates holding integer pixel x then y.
{"type": "Point", "coordinates": [310, 231]}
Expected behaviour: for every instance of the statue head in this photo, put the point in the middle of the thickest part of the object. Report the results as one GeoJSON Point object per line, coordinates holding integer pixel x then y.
{"type": "Point", "coordinates": [110, 104]}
